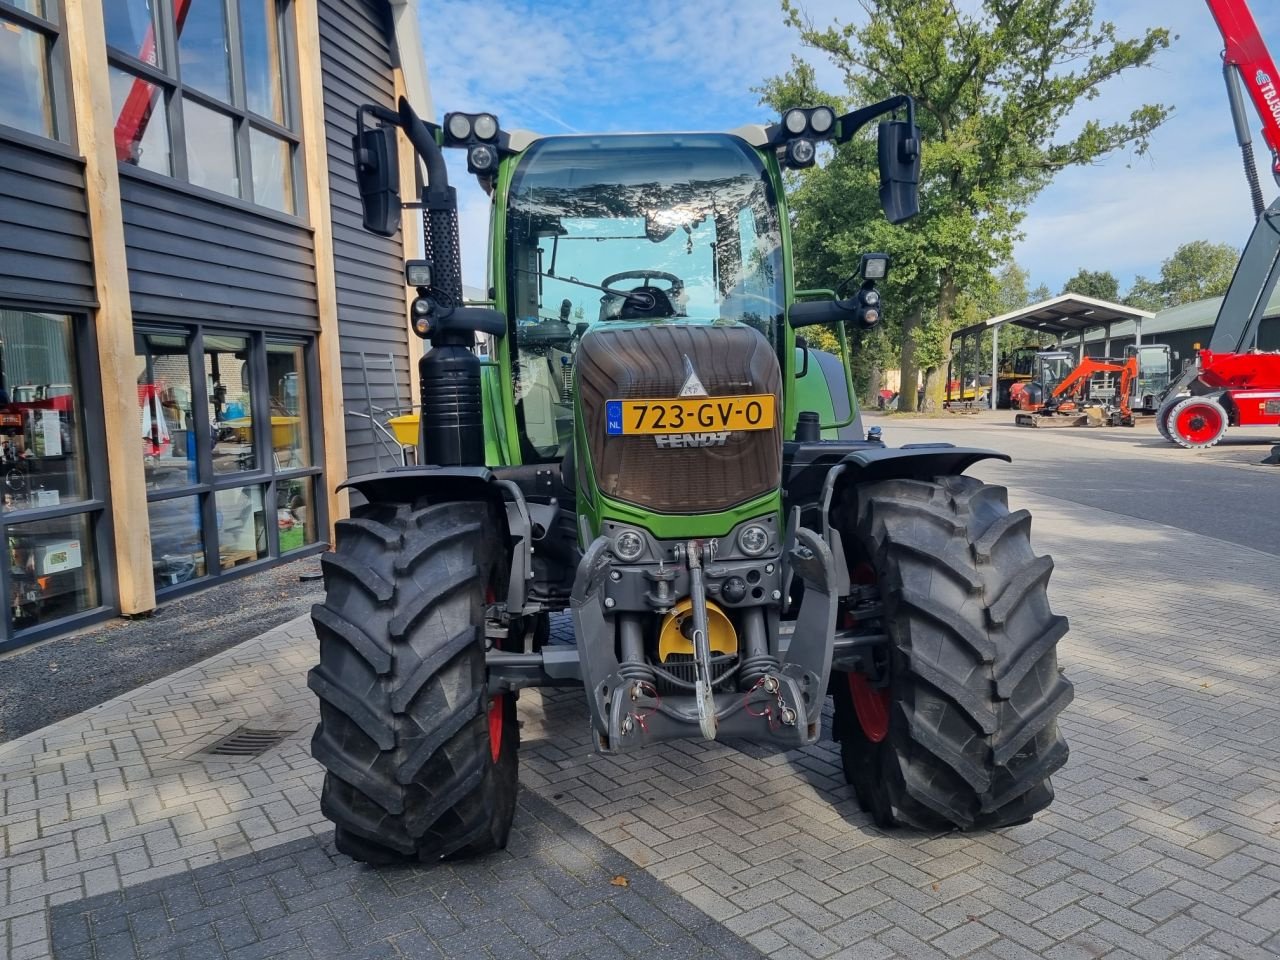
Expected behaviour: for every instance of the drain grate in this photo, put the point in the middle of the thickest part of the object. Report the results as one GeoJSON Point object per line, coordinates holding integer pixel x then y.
{"type": "Point", "coordinates": [245, 742]}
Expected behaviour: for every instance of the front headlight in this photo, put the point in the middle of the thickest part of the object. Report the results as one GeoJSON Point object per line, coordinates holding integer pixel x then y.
{"type": "Point", "coordinates": [753, 540]}
{"type": "Point", "coordinates": [628, 546]}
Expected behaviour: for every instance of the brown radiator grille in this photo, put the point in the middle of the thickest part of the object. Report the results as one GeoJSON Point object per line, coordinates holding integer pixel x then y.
{"type": "Point", "coordinates": [649, 361]}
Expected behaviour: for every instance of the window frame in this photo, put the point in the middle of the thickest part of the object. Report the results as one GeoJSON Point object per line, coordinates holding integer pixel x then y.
{"type": "Point", "coordinates": [169, 80]}
{"type": "Point", "coordinates": [265, 475]}
{"type": "Point", "coordinates": [64, 127]}
{"type": "Point", "coordinates": [97, 505]}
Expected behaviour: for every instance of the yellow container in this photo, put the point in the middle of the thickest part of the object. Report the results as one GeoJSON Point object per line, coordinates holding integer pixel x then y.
{"type": "Point", "coordinates": [405, 428]}
{"type": "Point", "coordinates": [284, 430]}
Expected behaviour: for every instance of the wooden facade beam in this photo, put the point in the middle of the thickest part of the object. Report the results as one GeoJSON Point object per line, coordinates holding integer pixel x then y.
{"type": "Point", "coordinates": [113, 320]}
{"type": "Point", "coordinates": [328, 348]}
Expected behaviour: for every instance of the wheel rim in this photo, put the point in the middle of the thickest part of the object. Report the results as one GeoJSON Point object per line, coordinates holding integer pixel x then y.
{"type": "Point", "coordinates": [872, 707]}
{"type": "Point", "coordinates": [496, 719]}
{"type": "Point", "coordinates": [1198, 423]}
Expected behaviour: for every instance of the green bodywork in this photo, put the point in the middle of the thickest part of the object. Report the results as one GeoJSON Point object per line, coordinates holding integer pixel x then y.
{"type": "Point", "coordinates": [502, 446]}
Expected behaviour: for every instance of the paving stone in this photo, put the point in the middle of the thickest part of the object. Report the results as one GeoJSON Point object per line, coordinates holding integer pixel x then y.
{"type": "Point", "coordinates": [1184, 859]}
{"type": "Point", "coordinates": [454, 923]}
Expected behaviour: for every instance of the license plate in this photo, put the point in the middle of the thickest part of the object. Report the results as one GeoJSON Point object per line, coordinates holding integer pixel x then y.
{"type": "Point", "coordinates": [690, 415]}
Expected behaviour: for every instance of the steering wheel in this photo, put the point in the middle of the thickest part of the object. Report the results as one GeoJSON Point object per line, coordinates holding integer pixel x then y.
{"type": "Point", "coordinates": [645, 301]}
{"type": "Point", "coordinates": [645, 275]}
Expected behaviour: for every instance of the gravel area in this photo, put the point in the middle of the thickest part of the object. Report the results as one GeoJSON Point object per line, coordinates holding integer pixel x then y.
{"type": "Point", "coordinates": [58, 678]}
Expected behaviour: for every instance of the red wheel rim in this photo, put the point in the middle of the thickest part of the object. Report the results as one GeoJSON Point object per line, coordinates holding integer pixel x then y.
{"type": "Point", "coordinates": [496, 718]}
{"type": "Point", "coordinates": [872, 707]}
{"type": "Point", "coordinates": [1199, 423]}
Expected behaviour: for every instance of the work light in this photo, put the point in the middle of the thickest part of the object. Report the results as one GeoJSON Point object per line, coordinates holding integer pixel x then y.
{"type": "Point", "coordinates": [481, 159]}
{"type": "Point", "coordinates": [822, 119]}
{"type": "Point", "coordinates": [874, 266]}
{"type": "Point", "coordinates": [795, 121]}
{"type": "Point", "coordinates": [800, 153]}
{"type": "Point", "coordinates": [417, 273]}
{"type": "Point", "coordinates": [458, 126]}
{"type": "Point", "coordinates": [485, 126]}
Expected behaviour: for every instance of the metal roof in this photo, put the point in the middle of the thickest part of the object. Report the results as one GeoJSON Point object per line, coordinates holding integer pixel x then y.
{"type": "Point", "coordinates": [1069, 314]}
{"type": "Point", "coordinates": [1199, 314]}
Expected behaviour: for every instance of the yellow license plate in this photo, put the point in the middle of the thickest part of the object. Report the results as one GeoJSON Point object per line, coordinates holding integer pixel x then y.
{"type": "Point", "coordinates": [690, 415]}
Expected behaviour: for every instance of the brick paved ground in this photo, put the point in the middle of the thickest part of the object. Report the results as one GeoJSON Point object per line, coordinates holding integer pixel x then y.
{"type": "Point", "coordinates": [555, 890]}
{"type": "Point", "coordinates": [1164, 841]}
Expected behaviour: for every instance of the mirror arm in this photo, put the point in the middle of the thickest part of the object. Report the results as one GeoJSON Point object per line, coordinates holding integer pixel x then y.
{"type": "Point", "coordinates": [852, 122]}
{"type": "Point", "coordinates": [422, 137]}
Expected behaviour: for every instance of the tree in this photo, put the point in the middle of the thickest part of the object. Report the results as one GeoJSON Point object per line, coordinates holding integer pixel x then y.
{"type": "Point", "coordinates": [1196, 270]}
{"type": "Point", "coordinates": [1099, 284]}
{"type": "Point", "coordinates": [992, 89]}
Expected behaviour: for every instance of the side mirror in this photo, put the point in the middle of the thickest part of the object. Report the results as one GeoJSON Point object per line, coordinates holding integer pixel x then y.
{"type": "Point", "coordinates": [898, 151]}
{"type": "Point", "coordinates": [378, 177]}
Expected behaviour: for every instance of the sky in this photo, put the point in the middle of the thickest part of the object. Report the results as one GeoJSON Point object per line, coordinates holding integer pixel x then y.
{"type": "Point", "coordinates": [569, 66]}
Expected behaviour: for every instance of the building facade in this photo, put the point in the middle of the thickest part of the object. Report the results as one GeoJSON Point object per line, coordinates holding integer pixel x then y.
{"type": "Point", "coordinates": [197, 339]}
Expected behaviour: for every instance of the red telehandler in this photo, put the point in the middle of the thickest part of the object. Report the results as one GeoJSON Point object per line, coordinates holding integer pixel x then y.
{"type": "Point", "coordinates": [1232, 383]}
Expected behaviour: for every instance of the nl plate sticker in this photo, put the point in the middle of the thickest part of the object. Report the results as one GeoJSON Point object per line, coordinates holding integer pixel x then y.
{"type": "Point", "coordinates": [613, 417]}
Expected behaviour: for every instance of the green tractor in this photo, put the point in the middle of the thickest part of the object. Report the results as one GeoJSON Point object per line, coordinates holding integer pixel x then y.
{"type": "Point", "coordinates": [647, 443]}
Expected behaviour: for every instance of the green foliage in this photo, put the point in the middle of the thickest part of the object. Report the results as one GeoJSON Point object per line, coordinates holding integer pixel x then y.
{"type": "Point", "coordinates": [1099, 284]}
{"type": "Point", "coordinates": [993, 88]}
{"type": "Point", "coordinates": [1196, 270]}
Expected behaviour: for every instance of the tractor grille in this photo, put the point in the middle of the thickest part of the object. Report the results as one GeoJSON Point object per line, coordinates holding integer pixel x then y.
{"type": "Point", "coordinates": [649, 361]}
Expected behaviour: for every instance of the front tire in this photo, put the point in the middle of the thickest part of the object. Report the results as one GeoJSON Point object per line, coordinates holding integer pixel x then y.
{"type": "Point", "coordinates": [973, 688]}
{"type": "Point", "coordinates": [1197, 423]}
{"type": "Point", "coordinates": [420, 761]}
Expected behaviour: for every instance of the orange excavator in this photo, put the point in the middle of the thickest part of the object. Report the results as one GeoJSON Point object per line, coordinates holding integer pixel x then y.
{"type": "Point", "coordinates": [1059, 396]}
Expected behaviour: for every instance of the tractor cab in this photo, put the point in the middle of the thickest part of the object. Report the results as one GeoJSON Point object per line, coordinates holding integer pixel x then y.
{"type": "Point", "coordinates": [1155, 372]}
{"type": "Point", "coordinates": [628, 231]}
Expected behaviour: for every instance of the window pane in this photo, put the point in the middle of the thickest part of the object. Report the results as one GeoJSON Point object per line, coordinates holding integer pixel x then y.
{"type": "Point", "coordinates": [42, 450]}
{"type": "Point", "coordinates": [290, 426]}
{"type": "Point", "coordinates": [272, 171]}
{"type": "Point", "coordinates": [260, 44]}
{"type": "Point", "coordinates": [131, 28]}
{"type": "Point", "coordinates": [229, 377]}
{"type": "Point", "coordinates": [25, 98]}
{"type": "Point", "coordinates": [142, 126]}
{"type": "Point", "coordinates": [202, 48]}
{"type": "Point", "coordinates": [177, 546]}
{"type": "Point", "coordinates": [168, 426]}
{"type": "Point", "coordinates": [242, 526]}
{"type": "Point", "coordinates": [52, 570]}
{"type": "Point", "coordinates": [33, 7]}
{"type": "Point", "coordinates": [294, 513]}
{"type": "Point", "coordinates": [211, 152]}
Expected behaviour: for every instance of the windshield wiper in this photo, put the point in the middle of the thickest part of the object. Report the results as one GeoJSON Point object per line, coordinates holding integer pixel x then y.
{"type": "Point", "coordinates": [644, 300]}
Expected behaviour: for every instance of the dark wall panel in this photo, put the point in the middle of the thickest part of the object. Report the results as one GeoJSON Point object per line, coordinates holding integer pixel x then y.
{"type": "Point", "coordinates": [192, 258]}
{"type": "Point", "coordinates": [45, 253]}
{"type": "Point", "coordinates": [356, 62]}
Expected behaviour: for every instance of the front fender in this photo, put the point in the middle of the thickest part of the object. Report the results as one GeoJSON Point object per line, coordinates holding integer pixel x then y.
{"type": "Point", "coordinates": [914, 461]}
{"type": "Point", "coordinates": [408, 483]}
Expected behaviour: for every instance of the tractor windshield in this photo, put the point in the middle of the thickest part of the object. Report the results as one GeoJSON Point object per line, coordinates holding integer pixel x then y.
{"type": "Point", "coordinates": [662, 228]}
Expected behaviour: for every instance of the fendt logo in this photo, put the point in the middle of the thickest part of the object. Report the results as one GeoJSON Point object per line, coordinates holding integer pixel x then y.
{"type": "Point", "coordinates": [1267, 88]}
{"type": "Point", "coordinates": [673, 441]}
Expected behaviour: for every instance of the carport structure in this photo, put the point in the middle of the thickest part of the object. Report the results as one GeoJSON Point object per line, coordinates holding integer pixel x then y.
{"type": "Point", "coordinates": [1070, 315]}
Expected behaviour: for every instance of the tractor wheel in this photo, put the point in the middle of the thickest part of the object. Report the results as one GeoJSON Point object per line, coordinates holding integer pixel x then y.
{"type": "Point", "coordinates": [964, 735]}
{"type": "Point", "coordinates": [1162, 417]}
{"type": "Point", "coordinates": [1197, 423]}
{"type": "Point", "coordinates": [420, 762]}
